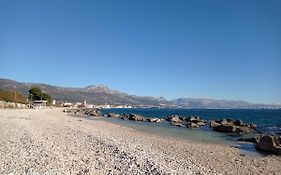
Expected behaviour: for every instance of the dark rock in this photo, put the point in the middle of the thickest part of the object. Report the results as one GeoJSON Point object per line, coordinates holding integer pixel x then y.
{"type": "Point", "coordinates": [269, 143]}
{"type": "Point", "coordinates": [136, 117]}
{"type": "Point", "coordinates": [94, 113]}
{"type": "Point", "coordinates": [174, 118]}
{"type": "Point", "coordinates": [113, 115]}
{"type": "Point", "coordinates": [238, 123]}
{"type": "Point", "coordinates": [124, 117]}
{"type": "Point", "coordinates": [229, 125]}
{"type": "Point", "coordinates": [156, 120]}
{"type": "Point", "coordinates": [192, 125]}
{"type": "Point", "coordinates": [179, 124]}
{"type": "Point", "coordinates": [225, 128]}
{"type": "Point", "coordinates": [214, 124]}
{"type": "Point", "coordinates": [253, 126]}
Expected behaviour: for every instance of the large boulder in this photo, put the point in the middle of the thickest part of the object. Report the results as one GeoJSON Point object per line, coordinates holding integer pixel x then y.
{"type": "Point", "coordinates": [113, 115]}
{"type": "Point", "coordinates": [225, 128]}
{"type": "Point", "coordinates": [124, 117]}
{"type": "Point", "coordinates": [269, 143]}
{"type": "Point", "coordinates": [231, 126]}
{"type": "Point", "coordinates": [178, 124]}
{"type": "Point", "coordinates": [156, 120]}
{"type": "Point", "coordinates": [136, 117]}
{"type": "Point", "coordinates": [192, 125]}
{"type": "Point", "coordinates": [174, 118]}
{"type": "Point", "coordinates": [214, 124]}
{"type": "Point", "coordinates": [190, 122]}
{"type": "Point", "coordinates": [94, 113]}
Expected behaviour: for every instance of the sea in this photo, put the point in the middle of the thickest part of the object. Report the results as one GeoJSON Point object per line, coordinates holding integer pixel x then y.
{"type": "Point", "coordinates": [267, 121]}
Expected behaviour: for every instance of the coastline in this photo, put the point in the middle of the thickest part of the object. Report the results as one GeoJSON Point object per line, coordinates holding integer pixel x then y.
{"type": "Point", "coordinates": [49, 141]}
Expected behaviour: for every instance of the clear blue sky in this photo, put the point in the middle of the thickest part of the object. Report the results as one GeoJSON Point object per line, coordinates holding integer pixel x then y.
{"type": "Point", "coordinates": [202, 48]}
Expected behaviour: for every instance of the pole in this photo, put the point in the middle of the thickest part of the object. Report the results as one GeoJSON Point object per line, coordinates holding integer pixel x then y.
{"type": "Point", "coordinates": [15, 96]}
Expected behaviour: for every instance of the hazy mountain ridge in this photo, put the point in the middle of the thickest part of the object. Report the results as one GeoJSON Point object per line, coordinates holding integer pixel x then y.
{"type": "Point", "coordinates": [101, 94]}
{"type": "Point", "coordinates": [97, 94]}
{"type": "Point", "coordinates": [213, 103]}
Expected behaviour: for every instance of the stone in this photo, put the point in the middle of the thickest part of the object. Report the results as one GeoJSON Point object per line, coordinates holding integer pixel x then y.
{"type": "Point", "coordinates": [174, 118]}
{"type": "Point", "coordinates": [269, 143]}
{"type": "Point", "coordinates": [178, 124]}
{"type": "Point", "coordinates": [94, 113]}
{"type": "Point", "coordinates": [238, 123]}
{"type": "Point", "coordinates": [229, 125]}
{"type": "Point", "coordinates": [225, 128]}
{"type": "Point", "coordinates": [156, 120]}
{"type": "Point", "coordinates": [113, 115]}
{"type": "Point", "coordinates": [192, 125]}
{"type": "Point", "coordinates": [214, 124]}
{"type": "Point", "coordinates": [136, 117]}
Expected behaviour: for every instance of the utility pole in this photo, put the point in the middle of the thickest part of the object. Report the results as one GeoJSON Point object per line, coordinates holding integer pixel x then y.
{"type": "Point", "coordinates": [15, 96]}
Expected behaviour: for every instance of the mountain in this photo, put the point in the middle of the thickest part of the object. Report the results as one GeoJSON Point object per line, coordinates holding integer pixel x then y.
{"type": "Point", "coordinates": [213, 103]}
{"type": "Point", "coordinates": [98, 94]}
{"type": "Point", "coordinates": [101, 94]}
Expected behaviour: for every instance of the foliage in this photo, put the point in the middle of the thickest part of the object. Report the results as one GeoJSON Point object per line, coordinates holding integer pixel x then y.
{"type": "Point", "coordinates": [36, 94]}
{"type": "Point", "coordinates": [11, 96]}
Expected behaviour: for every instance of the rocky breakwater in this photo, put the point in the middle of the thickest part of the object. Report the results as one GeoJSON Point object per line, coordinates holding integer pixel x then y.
{"type": "Point", "coordinates": [135, 117]}
{"type": "Point", "coordinates": [89, 112]}
{"type": "Point", "coordinates": [231, 126]}
{"type": "Point", "coordinates": [269, 143]}
{"type": "Point", "coordinates": [189, 122]}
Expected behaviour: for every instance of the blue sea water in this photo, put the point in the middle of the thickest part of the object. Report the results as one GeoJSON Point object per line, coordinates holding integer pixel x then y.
{"type": "Point", "coordinates": [267, 120]}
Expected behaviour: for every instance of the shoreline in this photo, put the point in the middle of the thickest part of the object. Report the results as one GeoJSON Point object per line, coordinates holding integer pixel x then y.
{"type": "Point", "coordinates": [47, 140]}
{"type": "Point", "coordinates": [166, 131]}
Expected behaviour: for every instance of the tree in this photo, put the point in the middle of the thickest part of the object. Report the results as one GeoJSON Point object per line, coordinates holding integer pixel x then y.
{"type": "Point", "coordinates": [36, 94]}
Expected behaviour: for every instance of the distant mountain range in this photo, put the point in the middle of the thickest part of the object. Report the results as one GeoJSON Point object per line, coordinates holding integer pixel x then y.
{"type": "Point", "coordinates": [101, 94]}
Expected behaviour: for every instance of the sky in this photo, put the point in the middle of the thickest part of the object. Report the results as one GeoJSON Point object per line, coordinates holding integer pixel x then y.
{"type": "Point", "coordinates": [172, 48]}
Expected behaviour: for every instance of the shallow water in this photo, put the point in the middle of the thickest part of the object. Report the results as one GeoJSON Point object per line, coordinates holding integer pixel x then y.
{"type": "Point", "coordinates": [204, 135]}
{"type": "Point", "coordinates": [267, 120]}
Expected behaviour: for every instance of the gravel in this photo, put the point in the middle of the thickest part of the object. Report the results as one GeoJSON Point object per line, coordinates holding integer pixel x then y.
{"type": "Point", "coordinates": [47, 141]}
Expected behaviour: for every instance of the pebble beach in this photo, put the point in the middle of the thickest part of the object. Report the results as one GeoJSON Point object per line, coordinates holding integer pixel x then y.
{"type": "Point", "coordinates": [48, 141]}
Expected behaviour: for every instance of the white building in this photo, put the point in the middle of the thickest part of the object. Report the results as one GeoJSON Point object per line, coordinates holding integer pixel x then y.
{"type": "Point", "coordinates": [38, 104]}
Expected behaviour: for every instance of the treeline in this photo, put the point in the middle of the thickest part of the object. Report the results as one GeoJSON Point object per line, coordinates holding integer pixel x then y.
{"type": "Point", "coordinates": [36, 94]}
{"type": "Point", "coordinates": [11, 96]}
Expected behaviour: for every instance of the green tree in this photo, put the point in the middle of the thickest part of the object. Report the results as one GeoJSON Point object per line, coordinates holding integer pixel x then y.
{"type": "Point", "coordinates": [36, 94]}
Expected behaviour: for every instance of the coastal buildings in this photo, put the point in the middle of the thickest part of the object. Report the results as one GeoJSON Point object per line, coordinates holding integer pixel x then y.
{"type": "Point", "coordinates": [38, 104]}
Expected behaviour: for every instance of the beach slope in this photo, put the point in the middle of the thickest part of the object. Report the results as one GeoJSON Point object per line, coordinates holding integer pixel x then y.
{"type": "Point", "coordinates": [48, 141]}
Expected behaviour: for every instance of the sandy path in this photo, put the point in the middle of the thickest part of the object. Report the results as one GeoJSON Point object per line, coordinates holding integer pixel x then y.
{"type": "Point", "coordinates": [50, 142]}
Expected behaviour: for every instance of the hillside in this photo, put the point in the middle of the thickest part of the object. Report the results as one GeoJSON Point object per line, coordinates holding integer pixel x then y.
{"type": "Point", "coordinates": [100, 94]}
{"type": "Point", "coordinates": [93, 94]}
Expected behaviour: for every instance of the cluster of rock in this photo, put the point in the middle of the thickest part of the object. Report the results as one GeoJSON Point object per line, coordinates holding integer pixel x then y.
{"type": "Point", "coordinates": [135, 117]}
{"type": "Point", "coordinates": [93, 113]}
{"type": "Point", "coordinates": [231, 126]}
{"type": "Point", "coordinates": [188, 122]}
{"type": "Point", "coordinates": [66, 110]}
{"type": "Point", "coordinates": [89, 112]}
{"type": "Point", "coordinates": [269, 143]}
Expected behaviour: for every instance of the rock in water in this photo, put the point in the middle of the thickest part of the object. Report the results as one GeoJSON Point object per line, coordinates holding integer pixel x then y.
{"type": "Point", "coordinates": [192, 125]}
{"type": "Point", "coordinates": [269, 143]}
{"type": "Point", "coordinates": [229, 125]}
{"type": "Point", "coordinates": [94, 113]}
{"type": "Point", "coordinates": [113, 115]}
{"type": "Point", "coordinates": [174, 118]}
{"type": "Point", "coordinates": [156, 120]}
{"type": "Point", "coordinates": [136, 117]}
